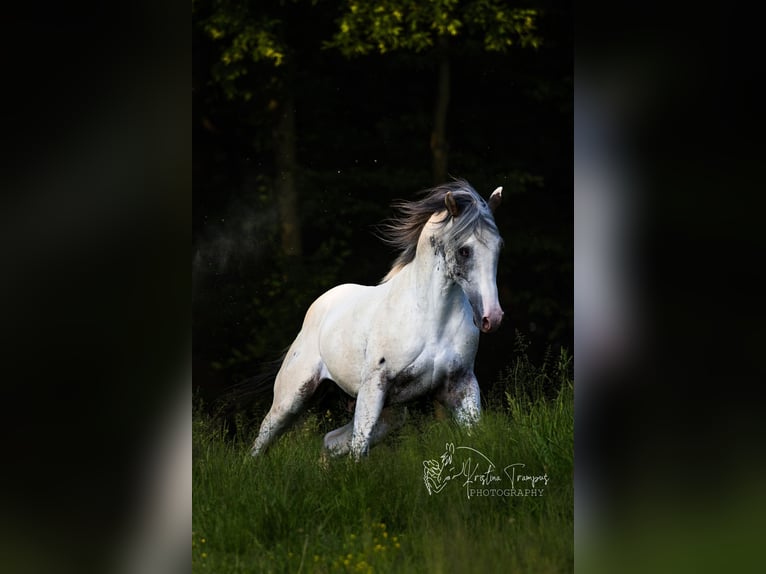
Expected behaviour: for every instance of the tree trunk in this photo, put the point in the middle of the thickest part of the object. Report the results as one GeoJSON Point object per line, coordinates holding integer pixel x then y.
{"type": "Point", "coordinates": [439, 146]}
{"type": "Point", "coordinates": [286, 166]}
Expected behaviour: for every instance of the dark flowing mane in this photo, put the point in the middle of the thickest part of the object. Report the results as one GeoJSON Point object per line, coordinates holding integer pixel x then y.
{"type": "Point", "coordinates": [402, 232]}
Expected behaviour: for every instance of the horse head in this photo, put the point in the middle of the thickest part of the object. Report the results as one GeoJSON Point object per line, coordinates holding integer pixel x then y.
{"type": "Point", "coordinates": [471, 248]}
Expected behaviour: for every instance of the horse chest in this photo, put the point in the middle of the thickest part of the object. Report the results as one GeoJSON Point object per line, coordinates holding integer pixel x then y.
{"type": "Point", "coordinates": [407, 384]}
{"type": "Point", "coordinates": [419, 378]}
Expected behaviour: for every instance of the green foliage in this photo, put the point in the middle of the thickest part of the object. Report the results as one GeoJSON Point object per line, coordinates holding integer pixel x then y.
{"type": "Point", "coordinates": [292, 510]}
{"type": "Point", "coordinates": [244, 36]}
{"type": "Point", "coordinates": [541, 400]}
{"type": "Point", "coordinates": [249, 33]}
{"type": "Point", "coordinates": [526, 383]}
{"type": "Point", "coordinates": [387, 25]}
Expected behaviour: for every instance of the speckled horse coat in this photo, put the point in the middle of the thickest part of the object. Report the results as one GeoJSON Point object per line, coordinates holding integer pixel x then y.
{"type": "Point", "coordinates": [415, 333]}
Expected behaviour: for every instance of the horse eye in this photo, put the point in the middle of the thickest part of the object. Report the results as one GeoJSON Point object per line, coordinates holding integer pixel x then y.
{"type": "Point", "coordinates": [464, 252]}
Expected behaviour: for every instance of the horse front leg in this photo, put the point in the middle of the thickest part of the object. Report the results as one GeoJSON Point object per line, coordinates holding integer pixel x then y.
{"type": "Point", "coordinates": [461, 396]}
{"type": "Point", "coordinates": [369, 405]}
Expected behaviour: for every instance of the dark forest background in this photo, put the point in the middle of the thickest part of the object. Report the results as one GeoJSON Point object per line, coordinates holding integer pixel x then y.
{"type": "Point", "coordinates": [311, 117]}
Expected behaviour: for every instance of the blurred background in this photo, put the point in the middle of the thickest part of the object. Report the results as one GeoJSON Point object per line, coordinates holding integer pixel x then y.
{"type": "Point", "coordinates": [668, 276]}
{"type": "Point", "coordinates": [310, 118]}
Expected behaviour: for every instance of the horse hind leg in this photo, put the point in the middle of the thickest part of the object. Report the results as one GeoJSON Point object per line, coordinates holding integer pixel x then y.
{"type": "Point", "coordinates": [293, 387]}
{"type": "Point", "coordinates": [338, 442]}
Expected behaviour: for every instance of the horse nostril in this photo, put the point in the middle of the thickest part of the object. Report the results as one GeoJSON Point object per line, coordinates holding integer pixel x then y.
{"type": "Point", "coordinates": [485, 324]}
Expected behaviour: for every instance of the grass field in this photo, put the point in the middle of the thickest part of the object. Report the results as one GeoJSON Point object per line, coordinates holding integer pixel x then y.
{"type": "Point", "coordinates": [290, 512]}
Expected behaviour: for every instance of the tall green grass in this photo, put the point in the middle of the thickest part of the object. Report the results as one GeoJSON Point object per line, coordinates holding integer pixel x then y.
{"type": "Point", "coordinates": [292, 511]}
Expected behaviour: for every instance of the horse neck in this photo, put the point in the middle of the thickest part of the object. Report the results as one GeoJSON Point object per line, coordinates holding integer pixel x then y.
{"type": "Point", "coordinates": [436, 295]}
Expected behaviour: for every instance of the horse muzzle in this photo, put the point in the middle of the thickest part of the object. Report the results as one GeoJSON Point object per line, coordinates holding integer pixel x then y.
{"type": "Point", "coordinates": [490, 322]}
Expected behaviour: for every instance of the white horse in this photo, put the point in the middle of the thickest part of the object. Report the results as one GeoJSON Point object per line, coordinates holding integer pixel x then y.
{"type": "Point", "coordinates": [417, 332]}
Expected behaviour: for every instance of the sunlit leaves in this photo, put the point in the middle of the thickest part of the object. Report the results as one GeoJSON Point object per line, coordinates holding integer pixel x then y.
{"type": "Point", "coordinates": [244, 37]}
{"type": "Point", "coordinates": [248, 33]}
{"type": "Point", "coordinates": [502, 27]}
{"type": "Point", "coordinates": [386, 25]}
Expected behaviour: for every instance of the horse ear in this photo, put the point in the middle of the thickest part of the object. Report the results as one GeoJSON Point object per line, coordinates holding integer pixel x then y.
{"type": "Point", "coordinates": [496, 199]}
{"type": "Point", "coordinates": [451, 204]}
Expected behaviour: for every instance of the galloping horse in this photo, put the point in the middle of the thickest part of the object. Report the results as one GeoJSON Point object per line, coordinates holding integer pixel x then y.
{"type": "Point", "coordinates": [417, 332]}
